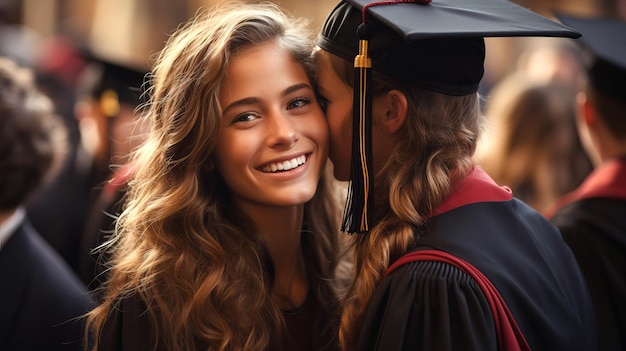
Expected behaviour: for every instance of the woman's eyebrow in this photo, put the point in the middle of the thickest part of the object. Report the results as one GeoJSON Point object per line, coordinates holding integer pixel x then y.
{"type": "Point", "coordinates": [254, 100]}
{"type": "Point", "coordinates": [296, 87]}
{"type": "Point", "coordinates": [244, 101]}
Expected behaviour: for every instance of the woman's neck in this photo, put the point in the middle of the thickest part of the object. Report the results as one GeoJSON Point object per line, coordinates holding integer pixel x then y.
{"type": "Point", "coordinates": [291, 285]}
{"type": "Point", "coordinates": [281, 228]}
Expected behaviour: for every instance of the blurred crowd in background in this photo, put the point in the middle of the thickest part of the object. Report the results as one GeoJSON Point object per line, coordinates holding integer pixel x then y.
{"type": "Point", "coordinates": [81, 50]}
{"type": "Point", "coordinates": [86, 53]}
{"type": "Point", "coordinates": [131, 31]}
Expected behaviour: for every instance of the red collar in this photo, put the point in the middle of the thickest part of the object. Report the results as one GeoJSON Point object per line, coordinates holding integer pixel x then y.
{"type": "Point", "coordinates": [608, 181]}
{"type": "Point", "coordinates": [476, 187]}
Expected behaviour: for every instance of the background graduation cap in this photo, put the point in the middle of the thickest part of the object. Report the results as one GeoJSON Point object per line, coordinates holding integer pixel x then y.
{"type": "Point", "coordinates": [111, 84]}
{"type": "Point", "coordinates": [605, 39]}
{"type": "Point", "coordinates": [436, 45]}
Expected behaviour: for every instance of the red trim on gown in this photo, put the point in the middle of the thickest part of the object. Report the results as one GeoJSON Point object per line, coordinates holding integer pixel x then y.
{"type": "Point", "coordinates": [478, 186]}
{"type": "Point", "coordinates": [510, 336]}
{"type": "Point", "coordinates": [608, 181]}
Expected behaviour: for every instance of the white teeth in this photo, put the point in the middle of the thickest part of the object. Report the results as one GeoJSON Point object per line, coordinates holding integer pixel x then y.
{"type": "Point", "coordinates": [285, 165]}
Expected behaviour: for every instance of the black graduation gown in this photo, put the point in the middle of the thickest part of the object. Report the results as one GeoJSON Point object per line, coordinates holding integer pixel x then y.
{"type": "Point", "coordinates": [592, 220]}
{"type": "Point", "coordinates": [434, 306]}
{"type": "Point", "coordinates": [41, 298]}
{"type": "Point", "coordinates": [129, 328]}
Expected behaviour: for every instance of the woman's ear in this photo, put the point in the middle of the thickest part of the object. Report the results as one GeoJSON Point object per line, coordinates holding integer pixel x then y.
{"type": "Point", "coordinates": [393, 108]}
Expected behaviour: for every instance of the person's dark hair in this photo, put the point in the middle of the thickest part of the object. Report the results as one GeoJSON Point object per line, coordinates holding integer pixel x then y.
{"type": "Point", "coordinates": [32, 137]}
{"type": "Point", "coordinates": [610, 109]}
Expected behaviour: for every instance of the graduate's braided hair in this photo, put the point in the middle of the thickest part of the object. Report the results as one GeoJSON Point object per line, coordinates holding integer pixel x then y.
{"type": "Point", "coordinates": [435, 149]}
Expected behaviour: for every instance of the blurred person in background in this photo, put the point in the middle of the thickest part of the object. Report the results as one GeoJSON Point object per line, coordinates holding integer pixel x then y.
{"type": "Point", "coordinates": [530, 142]}
{"type": "Point", "coordinates": [124, 131]}
{"type": "Point", "coordinates": [592, 218]}
{"type": "Point", "coordinates": [56, 65]}
{"type": "Point", "coordinates": [106, 95]}
{"type": "Point", "coordinates": [41, 298]}
{"type": "Point", "coordinates": [552, 60]}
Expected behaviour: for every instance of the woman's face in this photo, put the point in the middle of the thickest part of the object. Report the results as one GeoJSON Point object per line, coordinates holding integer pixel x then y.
{"type": "Point", "coordinates": [272, 146]}
{"type": "Point", "coordinates": [338, 100]}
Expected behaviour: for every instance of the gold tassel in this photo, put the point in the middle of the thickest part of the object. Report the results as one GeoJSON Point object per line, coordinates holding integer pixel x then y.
{"type": "Point", "coordinates": [360, 196]}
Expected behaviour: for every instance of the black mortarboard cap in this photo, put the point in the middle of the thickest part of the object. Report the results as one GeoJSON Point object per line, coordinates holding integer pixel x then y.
{"type": "Point", "coordinates": [605, 39]}
{"type": "Point", "coordinates": [437, 45]}
{"type": "Point", "coordinates": [112, 84]}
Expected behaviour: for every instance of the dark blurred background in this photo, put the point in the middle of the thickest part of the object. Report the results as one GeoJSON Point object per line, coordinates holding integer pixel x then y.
{"type": "Point", "coordinates": [131, 31]}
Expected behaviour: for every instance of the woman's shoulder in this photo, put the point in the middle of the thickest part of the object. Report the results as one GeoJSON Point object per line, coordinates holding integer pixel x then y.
{"type": "Point", "coordinates": [410, 278]}
{"type": "Point", "coordinates": [422, 304]}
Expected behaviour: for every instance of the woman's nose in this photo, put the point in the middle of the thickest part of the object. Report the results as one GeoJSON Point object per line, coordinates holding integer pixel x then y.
{"type": "Point", "coordinates": [282, 130]}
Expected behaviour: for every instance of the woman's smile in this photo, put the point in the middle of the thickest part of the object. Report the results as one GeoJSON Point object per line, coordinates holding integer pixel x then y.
{"type": "Point", "coordinates": [282, 166]}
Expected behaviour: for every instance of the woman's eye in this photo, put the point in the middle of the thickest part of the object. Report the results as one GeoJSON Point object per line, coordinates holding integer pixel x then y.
{"type": "Point", "coordinates": [245, 117]}
{"type": "Point", "coordinates": [298, 102]}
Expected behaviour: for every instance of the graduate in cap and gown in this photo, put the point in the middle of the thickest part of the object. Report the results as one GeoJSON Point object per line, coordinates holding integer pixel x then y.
{"type": "Point", "coordinates": [114, 93]}
{"type": "Point", "coordinates": [592, 218]}
{"type": "Point", "coordinates": [107, 94]}
{"type": "Point", "coordinates": [399, 83]}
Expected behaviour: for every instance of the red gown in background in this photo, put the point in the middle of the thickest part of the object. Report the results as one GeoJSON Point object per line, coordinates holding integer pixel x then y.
{"type": "Point", "coordinates": [592, 220]}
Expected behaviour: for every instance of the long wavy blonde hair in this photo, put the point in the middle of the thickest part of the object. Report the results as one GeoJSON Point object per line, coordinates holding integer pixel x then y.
{"type": "Point", "coordinates": [435, 149]}
{"type": "Point", "coordinates": [180, 244]}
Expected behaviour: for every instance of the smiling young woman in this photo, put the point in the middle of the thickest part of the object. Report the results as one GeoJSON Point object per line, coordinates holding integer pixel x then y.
{"type": "Point", "coordinates": [273, 143]}
{"type": "Point", "coordinates": [228, 238]}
